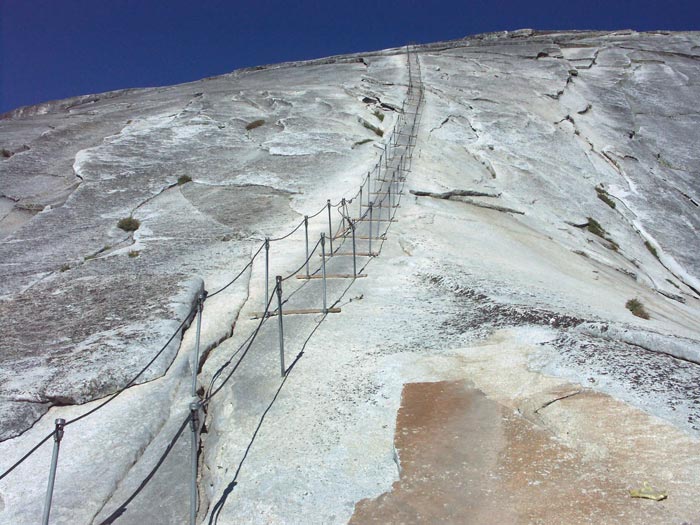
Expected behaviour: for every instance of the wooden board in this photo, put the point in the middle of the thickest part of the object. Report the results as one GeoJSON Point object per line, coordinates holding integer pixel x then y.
{"type": "Point", "coordinates": [302, 311]}
{"type": "Point", "coordinates": [360, 237]}
{"type": "Point", "coordinates": [357, 254]}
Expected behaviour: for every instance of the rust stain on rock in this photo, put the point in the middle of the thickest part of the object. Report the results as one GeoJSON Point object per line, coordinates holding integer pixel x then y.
{"type": "Point", "coordinates": [467, 459]}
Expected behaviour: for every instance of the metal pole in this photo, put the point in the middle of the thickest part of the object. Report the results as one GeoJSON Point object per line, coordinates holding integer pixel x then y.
{"type": "Point", "coordinates": [347, 217]}
{"type": "Point", "coordinates": [370, 228]}
{"type": "Point", "coordinates": [398, 188]}
{"type": "Point", "coordinates": [345, 211]}
{"type": "Point", "coordinates": [330, 227]}
{"type": "Point", "coordinates": [57, 436]}
{"type": "Point", "coordinates": [195, 362]}
{"type": "Point", "coordinates": [279, 323]}
{"type": "Point", "coordinates": [194, 426]}
{"type": "Point", "coordinates": [369, 187]}
{"type": "Point", "coordinates": [267, 272]}
{"type": "Point", "coordinates": [395, 183]}
{"type": "Point", "coordinates": [323, 265]}
{"type": "Point", "coordinates": [306, 234]}
{"type": "Point", "coordinates": [359, 212]}
{"type": "Point", "coordinates": [379, 219]}
{"type": "Point", "coordinates": [354, 261]}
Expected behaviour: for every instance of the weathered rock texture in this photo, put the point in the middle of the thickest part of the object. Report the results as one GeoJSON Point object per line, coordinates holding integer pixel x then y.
{"type": "Point", "coordinates": [561, 130]}
{"type": "Point", "coordinates": [80, 314]}
{"type": "Point", "coordinates": [467, 459]}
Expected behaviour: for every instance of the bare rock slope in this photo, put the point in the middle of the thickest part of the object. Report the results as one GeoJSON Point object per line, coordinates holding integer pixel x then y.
{"type": "Point", "coordinates": [554, 178]}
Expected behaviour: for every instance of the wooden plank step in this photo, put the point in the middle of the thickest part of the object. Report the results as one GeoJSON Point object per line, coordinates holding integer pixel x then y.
{"type": "Point", "coordinates": [349, 254]}
{"type": "Point", "coordinates": [302, 311]}
{"type": "Point", "coordinates": [332, 276]}
{"type": "Point", "coordinates": [360, 237]}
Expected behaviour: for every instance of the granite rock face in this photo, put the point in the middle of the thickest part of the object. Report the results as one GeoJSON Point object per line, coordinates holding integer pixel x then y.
{"type": "Point", "coordinates": [554, 116]}
{"type": "Point", "coordinates": [555, 177]}
{"type": "Point", "coordinates": [85, 304]}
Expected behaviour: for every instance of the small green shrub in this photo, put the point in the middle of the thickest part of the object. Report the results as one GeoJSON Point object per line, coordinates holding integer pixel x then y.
{"type": "Point", "coordinates": [651, 249]}
{"type": "Point", "coordinates": [605, 197]}
{"type": "Point", "coordinates": [361, 142]}
{"type": "Point", "coordinates": [128, 224]}
{"type": "Point", "coordinates": [377, 131]}
{"type": "Point", "coordinates": [637, 308]}
{"type": "Point", "coordinates": [255, 124]}
{"type": "Point", "coordinates": [183, 179]}
{"type": "Point", "coordinates": [379, 115]}
{"type": "Point", "coordinates": [663, 161]}
{"type": "Point", "coordinates": [134, 253]}
{"type": "Point", "coordinates": [595, 228]}
{"type": "Point", "coordinates": [65, 267]}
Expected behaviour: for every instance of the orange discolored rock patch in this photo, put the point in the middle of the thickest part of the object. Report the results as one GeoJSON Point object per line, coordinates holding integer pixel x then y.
{"type": "Point", "coordinates": [467, 459]}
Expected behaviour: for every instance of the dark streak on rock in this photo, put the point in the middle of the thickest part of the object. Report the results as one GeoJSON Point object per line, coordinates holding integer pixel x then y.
{"type": "Point", "coordinates": [454, 193]}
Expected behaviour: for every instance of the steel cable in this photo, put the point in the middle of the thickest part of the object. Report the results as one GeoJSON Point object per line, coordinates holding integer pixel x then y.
{"type": "Point", "coordinates": [251, 339]}
{"type": "Point", "coordinates": [131, 382]}
{"type": "Point", "coordinates": [300, 287]}
{"type": "Point", "coordinates": [122, 508]}
{"type": "Point", "coordinates": [23, 458]}
{"type": "Point", "coordinates": [239, 274]}
{"type": "Point", "coordinates": [187, 318]}
{"type": "Point", "coordinates": [290, 233]}
{"type": "Point", "coordinates": [255, 334]}
{"type": "Point", "coordinates": [319, 212]}
{"type": "Point", "coordinates": [225, 365]}
{"type": "Point", "coordinates": [217, 508]}
{"type": "Point", "coordinates": [311, 254]}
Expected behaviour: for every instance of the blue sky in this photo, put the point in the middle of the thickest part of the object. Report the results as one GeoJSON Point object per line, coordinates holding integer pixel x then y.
{"type": "Point", "coordinates": [52, 49]}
